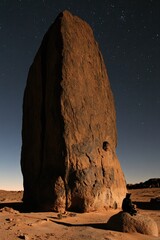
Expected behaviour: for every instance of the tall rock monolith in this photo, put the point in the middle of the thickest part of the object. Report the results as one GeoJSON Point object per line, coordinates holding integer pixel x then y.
{"type": "Point", "coordinates": [69, 136]}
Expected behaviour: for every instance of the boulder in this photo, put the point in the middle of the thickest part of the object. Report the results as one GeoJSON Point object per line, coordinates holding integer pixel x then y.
{"type": "Point", "coordinates": [124, 222]}
{"type": "Point", "coordinates": [69, 134]}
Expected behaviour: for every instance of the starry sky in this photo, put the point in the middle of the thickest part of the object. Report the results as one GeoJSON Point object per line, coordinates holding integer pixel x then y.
{"type": "Point", "coordinates": [128, 34]}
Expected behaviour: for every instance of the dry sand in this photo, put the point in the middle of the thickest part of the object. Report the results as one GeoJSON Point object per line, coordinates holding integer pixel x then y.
{"type": "Point", "coordinates": [48, 225]}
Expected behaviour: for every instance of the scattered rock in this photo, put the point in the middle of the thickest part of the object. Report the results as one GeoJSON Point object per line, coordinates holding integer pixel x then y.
{"type": "Point", "coordinates": [48, 235]}
{"type": "Point", "coordinates": [24, 236]}
{"type": "Point", "coordinates": [59, 216]}
{"type": "Point", "coordinates": [9, 219]}
{"type": "Point", "coordinates": [9, 228]}
{"type": "Point", "coordinates": [124, 222]}
{"type": "Point", "coordinates": [72, 214]}
{"type": "Point", "coordinates": [3, 199]}
{"type": "Point", "coordinates": [65, 214]}
{"type": "Point", "coordinates": [9, 210]}
{"type": "Point", "coordinates": [69, 124]}
{"type": "Point", "coordinates": [39, 222]}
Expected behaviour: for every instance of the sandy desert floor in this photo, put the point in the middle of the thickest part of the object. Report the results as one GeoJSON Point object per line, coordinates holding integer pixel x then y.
{"type": "Point", "coordinates": [87, 226]}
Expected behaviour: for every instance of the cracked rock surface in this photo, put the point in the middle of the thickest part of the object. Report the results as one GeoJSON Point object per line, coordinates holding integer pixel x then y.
{"type": "Point", "coordinates": [69, 132]}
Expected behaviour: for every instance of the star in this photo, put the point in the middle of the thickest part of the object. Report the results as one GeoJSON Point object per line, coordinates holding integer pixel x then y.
{"type": "Point", "coordinates": [112, 6]}
{"type": "Point", "coordinates": [93, 13]}
{"type": "Point", "coordinates": [43, 19]}
{"type": "Point", "coordinates": [139, 104]}
{"type": "Point", "coordinates": [149, 70]}
{"type": "Point", "coordinates": [123, 16]}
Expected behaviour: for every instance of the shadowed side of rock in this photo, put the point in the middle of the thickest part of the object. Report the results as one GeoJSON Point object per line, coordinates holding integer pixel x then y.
{"type": "Point", "coordinates": [42, 157]}
{"type": "Point", "coordinates": [69, 124]}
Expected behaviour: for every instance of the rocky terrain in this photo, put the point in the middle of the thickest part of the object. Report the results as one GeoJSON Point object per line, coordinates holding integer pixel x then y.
{"type": "Point", "coordinates": [15, 224]}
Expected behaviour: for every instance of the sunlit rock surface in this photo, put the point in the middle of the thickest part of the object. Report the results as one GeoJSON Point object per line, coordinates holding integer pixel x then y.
{"type": "Point", "coordinates": [69, 133]}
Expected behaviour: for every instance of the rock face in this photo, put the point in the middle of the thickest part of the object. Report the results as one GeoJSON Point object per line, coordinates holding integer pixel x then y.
{"type": "Point", "coordinates": [124, 222]}
{"type": "Point", "coordinates": [69, 134]}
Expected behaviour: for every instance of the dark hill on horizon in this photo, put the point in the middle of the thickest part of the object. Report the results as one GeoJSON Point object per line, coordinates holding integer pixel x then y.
{"type": "Point", "coordinates": [151, 183]}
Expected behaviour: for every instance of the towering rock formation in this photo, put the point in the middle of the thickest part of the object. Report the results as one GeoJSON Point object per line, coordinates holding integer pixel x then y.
{"type": "Point", "coordinates": [69, 136]}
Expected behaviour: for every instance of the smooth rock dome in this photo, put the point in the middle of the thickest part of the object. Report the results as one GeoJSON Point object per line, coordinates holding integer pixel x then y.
{"type": "Point", "coordinates": [69, 134]}
{"type": "Point", "coordinates": [124, 222]}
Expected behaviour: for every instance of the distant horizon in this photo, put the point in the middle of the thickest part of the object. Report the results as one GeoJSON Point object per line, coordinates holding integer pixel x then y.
{"type": "Point", "coordinates": [8, 188]}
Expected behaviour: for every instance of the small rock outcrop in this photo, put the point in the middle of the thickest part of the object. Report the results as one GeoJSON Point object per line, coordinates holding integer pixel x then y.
{"type": "Point", "coordinates": [69, 135]}
{"type": "Point", "coordinates": [124, 222]}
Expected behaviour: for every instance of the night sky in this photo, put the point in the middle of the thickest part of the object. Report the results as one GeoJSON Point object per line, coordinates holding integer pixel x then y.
{"type": "Point", "coordinates": [128, 33]}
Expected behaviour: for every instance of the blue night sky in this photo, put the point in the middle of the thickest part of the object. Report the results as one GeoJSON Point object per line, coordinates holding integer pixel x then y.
{"type": "Point", "coordinates": [128, 33]}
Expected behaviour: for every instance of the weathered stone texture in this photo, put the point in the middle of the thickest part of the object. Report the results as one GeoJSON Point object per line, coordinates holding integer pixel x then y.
{"type": "Point", "coordinates": [69, 124]}
{"type": "Point", "coordinates": [124, 222]}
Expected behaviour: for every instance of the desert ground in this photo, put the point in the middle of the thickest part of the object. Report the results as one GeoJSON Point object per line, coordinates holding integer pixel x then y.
{"type": "Point", "coordinates": [15, 224]}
